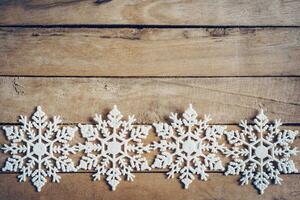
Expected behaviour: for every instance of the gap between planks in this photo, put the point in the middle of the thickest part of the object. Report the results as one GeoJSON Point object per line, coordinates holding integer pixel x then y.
{"type": "Point", "coordinates": [141, 26]}
{"type": "Point", "coordinates": [159, 12]}
{"type": "Point", "coordinates": [149, 77]}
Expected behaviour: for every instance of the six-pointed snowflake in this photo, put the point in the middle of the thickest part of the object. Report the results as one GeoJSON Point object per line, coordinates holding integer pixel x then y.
{"type": "Point", "coordinates": [188, 146]}
{"type": "Point", "coordinates": [39, 149]}
{"type": "Point", "coordinates": [261, 152]}
{"type": "Point", "coordinates": [114, 147]}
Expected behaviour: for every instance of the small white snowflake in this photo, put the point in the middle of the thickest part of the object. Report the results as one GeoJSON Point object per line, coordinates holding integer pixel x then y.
{"type": "Point", "coordinates": [188, 146]}
{"type": "Point", "coordinates": [114, 147]}
{"type": "Point", "coordinates": [261, 152]}
{"type": "Point", "coordinates": [39, 149]}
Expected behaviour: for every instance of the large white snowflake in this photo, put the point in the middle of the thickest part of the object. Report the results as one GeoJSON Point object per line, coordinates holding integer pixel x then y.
{"type": "Point", "coordinates": [114, 147]}
{"type": "Point", "coordinates": [261, 152]}
{"type": "Point", "coordinates": [188, 146]}
{"type": "Point", "coordinates": [39, 149]}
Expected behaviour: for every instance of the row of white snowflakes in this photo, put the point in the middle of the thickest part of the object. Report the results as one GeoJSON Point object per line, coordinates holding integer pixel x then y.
{"type": "Point", "coordinates": [113, 148]}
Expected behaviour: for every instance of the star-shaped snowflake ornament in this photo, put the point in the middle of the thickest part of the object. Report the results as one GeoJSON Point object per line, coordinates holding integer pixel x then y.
{"type": "Point", "coordinates": [39, 149]}
{"type": "Point", "coordinates": [261, 152]}
{"type": "Point", "coordinates": [188, 146]}
{"type": "Point", "coordinates": [114, 147]}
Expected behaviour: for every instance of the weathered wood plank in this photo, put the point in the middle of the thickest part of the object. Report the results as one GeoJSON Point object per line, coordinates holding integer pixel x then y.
{"type": "Point", "coordinates": [228, 100]}
{"type": "Point", "coordinates": [151, 155]}
{"type": "Point", "coordinates": [77, 99]}
{"type": "Point", "coordinates": [146, 186]}
{"type": "Point", "coordinates": [183, 12]}
{"type": "Point", "coordinates": [150, 52]}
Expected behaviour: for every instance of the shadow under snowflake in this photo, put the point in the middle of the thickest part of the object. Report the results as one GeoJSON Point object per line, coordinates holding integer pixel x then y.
{"type": "Point", "coordinates": [260, 152]}
{"type": "Point", "coordinates": [39, 149]}
{"type": "Point", "coordinates": [188, 146]}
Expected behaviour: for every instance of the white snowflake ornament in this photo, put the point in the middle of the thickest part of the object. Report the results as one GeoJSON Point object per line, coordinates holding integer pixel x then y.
{"type": "Point", "coordinates": [188, 146]}
{"type": "Point", "coordinates": [260, 152]}
{"type": "Point", "coordinates": [114, 147]}
{"type": "Point", "coordinates": [39, 149]}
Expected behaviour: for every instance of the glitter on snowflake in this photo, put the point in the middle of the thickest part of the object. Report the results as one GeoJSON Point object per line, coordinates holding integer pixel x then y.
{"type": "Point", "coordinates": [39, 149]}
{"type": "Point", "coordinates": [188, 146]}
{"type": "Point", "coordinates": [261, 152]}
{"type": "Point", "coordinates": [114, 147]}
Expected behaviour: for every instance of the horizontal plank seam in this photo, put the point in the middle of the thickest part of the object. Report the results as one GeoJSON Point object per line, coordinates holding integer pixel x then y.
{"type": "Point", "coordinates": [141, 26]}
{"type": "Point", "coordinates": [152, 77]}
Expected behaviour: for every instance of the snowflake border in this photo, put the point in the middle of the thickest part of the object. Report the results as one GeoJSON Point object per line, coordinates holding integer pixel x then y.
{"type": "Point", "coordinates": [114, 148]}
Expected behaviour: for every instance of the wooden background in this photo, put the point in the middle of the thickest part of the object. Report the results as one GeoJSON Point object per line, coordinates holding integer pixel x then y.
{"type": "Point", "coordinates": [152, 57]}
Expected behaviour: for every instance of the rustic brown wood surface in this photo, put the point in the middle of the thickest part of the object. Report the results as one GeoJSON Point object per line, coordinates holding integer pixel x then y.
{"type": "Point", "coordinates": [162, 12]}
{"type": "Point", "coordinates": [150, 52]}
{"type": "Point", "coordinates": [229, 58]}
{"type": "Point", "coordinates": [228, 100]}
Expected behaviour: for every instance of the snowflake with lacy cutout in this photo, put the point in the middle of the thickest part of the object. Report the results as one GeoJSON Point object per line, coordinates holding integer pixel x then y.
{"type": "Point", "coordinates": [39, 149]}
{"type": "Point", "coordinates": [114, 148]}
{"type": "Point", "coordinates": [260, 152]}
{"type": "Point", "coordinates": [188, 146]}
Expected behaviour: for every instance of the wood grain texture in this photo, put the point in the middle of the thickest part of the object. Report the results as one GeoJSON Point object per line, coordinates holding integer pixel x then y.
{"type": "Point", "coordinates": [150, 52]}
{"type": "Point", "coordinates": [161, 12]}
{"type": "Point", "coordinates": [150, 156]}
{"type": "Point", "coordinates": [228, 100]}
{"type": "Point", "coordinates": [147, 186]}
